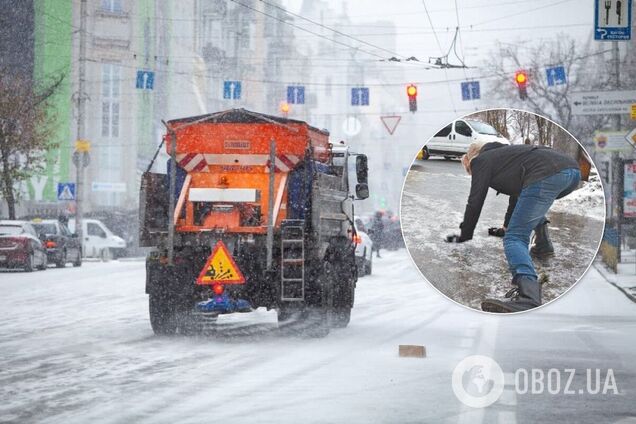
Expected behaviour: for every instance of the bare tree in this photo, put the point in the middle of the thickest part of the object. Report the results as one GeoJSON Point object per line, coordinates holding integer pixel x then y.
{"type": "Point", "coordinates": [585, 69]}
{"type": "Point", "coordinates": [25, 122]}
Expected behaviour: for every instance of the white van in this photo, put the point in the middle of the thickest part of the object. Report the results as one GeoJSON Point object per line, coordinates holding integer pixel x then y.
{"type": "Point", "coordinates": [453, 140]}
{"type": "Point", "coordinates": [97, 240]}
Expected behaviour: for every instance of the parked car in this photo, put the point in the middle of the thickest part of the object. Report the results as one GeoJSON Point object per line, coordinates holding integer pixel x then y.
{"type": "Point", "coordinates": [98, 241]}
{"type": "Point", "coordinates": [61, 245]}
{"type": "Point", "coordinates": [20, 246]}
{"type": "Point", "coordinates": [364, 249]}
{"type": "Point", "coordinates": [453, 140]}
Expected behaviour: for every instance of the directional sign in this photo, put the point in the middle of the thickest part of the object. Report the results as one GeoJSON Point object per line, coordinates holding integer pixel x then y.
{"type": "Point", "coordinates": [470, 90]}
{"type": "Point", "coordinates": [145, 80]}
{"type": "Point", "coordinates": [296, 94]}
{"type": "Point", "coordinates": [65, 191]}
{"type": "Point", "coordinates": [391, 122]}
{"type": "Point", "coordinates": [351, 126]}
{"type": "Point", "coordinates": [232, 90]}
{"type": "Point", "coordinates": [612, 20]}
{"type": "Point", "coordinates": [556, 75]}
{"type": "Point", "coordinates": [603, 102]}
{"type": "Point", "coordinates": [631, 137]}
{"type": "Point", "coordinates": [611, 141]}
{"type": "Point", "coordinates": [360, 96]}
{"type": "Point", "coordinates": [220, 268]}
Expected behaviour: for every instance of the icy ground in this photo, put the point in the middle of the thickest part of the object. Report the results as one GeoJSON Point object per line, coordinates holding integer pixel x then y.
{"type": "Point", "coordinates": [433, 203]}
{"type": "Point", "coordinates": [76, 347]}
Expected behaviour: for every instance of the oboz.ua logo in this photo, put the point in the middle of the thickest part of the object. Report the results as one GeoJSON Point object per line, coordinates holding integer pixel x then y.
{"type": "Point", "coordinates": [478, 381]}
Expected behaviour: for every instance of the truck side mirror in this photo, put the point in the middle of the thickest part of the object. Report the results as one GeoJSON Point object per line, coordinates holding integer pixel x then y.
{"type": "Point", "coordinates": [362, 191]}
{"type": "Point", "coordinates": [362, 172]}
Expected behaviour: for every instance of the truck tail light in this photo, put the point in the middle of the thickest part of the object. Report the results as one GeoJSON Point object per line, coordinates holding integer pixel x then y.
{"type": "Point", "coordinates": [357, 239]}
{"type": "Point", "coordinates": [50, 244]}
{"type": "Point", "coordinates": [217, 289]}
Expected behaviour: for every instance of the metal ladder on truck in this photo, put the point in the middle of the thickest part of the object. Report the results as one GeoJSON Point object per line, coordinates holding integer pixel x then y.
{"type": "Point", "coordinates": [292, 247]}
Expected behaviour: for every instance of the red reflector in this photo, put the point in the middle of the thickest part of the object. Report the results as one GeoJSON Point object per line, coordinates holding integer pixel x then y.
{"type": "Point", "coordinates": [217, 289]}
{"type": "Point", "coordinates": [357, 239]}
{"type": "Point", "coordinates": [50, 244]}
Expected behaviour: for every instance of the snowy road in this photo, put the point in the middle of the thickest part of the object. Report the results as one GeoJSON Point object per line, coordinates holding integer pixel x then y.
{"type": "Point", "coordinates": [76, 347]}
{"type": "Point", "coordinates": [477, 269]}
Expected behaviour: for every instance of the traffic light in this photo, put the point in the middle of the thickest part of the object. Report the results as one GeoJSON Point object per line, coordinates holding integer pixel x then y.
{"type": "Point", "coordinates": [521, 78]}
{"type": "Point", "coordinates": [411, 91]}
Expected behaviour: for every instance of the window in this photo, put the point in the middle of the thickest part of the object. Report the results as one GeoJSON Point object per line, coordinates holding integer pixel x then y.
{"type": "Point", "coordinates": [444, 131]}
{"type": "Point", "coordinates": [110, 100]}
{"type": "Point", "coordinates": [95, 230]}
{"type": "Point", "coordinates": [111, 6]}
{"type": "Point", "coordinates": [462, 128]}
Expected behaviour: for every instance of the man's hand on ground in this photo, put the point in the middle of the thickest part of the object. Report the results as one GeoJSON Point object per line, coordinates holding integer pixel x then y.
{"type": "Point", "coordinates": [496, 232]}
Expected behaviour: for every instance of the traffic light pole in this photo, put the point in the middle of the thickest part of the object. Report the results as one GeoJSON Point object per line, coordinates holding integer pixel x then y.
{"type": "Point", "coordinates": [81, 131]}
{"type": "Point", "coordinates": [617, 163]}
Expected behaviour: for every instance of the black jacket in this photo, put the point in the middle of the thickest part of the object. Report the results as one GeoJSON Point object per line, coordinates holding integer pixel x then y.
{"type": "Point", "coordinates": [508, 169]}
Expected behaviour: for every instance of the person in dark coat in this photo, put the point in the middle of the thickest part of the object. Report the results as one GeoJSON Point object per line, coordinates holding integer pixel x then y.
{"type": "Point", "coordinates": [377, 232]}
{"type": "Point", "coordinates": [534, 177]}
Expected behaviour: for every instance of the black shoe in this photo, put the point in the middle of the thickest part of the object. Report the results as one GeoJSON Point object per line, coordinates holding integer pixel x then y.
{"type": "Point", "coordinates": [542, 246]}
{"type": "Point", "coordinates": [526, 295]}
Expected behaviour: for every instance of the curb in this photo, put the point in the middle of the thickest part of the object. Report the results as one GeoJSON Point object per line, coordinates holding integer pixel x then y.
{"type": "Point", "coordinates": [607, 276]}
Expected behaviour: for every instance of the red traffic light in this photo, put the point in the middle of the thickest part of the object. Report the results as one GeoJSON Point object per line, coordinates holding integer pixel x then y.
{"type": "Point", "coordinates": [411, 90]}
{"type": "Point", "coordinates": [521, 78]}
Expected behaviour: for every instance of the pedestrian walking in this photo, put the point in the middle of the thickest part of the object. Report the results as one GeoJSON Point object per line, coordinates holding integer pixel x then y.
{"type": "Point", "coordinates": [377, 232]}
{"type": "Point", "coordinates": [534, 177]}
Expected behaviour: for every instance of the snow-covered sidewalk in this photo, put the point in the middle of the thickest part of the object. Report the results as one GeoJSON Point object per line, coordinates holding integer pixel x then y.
{"type": "Point", "coordinates": [625, 278]}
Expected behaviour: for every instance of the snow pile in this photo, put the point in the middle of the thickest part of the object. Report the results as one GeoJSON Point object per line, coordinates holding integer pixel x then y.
{"type": "Point", "coordinates": [588, 201]}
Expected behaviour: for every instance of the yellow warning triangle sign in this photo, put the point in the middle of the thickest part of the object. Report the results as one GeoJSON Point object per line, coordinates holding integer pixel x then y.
{"type": "Point", "coordinates": [220, 268]}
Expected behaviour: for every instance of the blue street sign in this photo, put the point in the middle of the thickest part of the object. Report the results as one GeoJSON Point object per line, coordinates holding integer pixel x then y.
{"type": "Point", "coordinates": [612, 20]}
{"type": "Point", "coordinates": [360, 96]}
{"type": "Point", "coordinates": [556, 75]}
{"type": "Point", "coordinates": [65, 191]}
{"type": "Point", "coordinates": [232, 90]}
{"type": "Point", "coordinates": [145, 80]}
{"type": "Point", "coordinates": [470, 90]}
{"type": "Point", "coordinates": [296, 94]}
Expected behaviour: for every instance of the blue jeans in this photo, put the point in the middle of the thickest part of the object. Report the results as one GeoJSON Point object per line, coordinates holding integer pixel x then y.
{"type": "Point", "coordinates": [532, 205]}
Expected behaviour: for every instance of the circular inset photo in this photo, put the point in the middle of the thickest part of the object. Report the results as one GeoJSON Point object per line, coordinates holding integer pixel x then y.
{"type": "Point", "coordinates": [502, 211]}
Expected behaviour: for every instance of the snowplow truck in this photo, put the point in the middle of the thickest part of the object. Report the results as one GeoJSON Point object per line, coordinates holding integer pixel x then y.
{"type": "Point", "coordinates": [253, 211]}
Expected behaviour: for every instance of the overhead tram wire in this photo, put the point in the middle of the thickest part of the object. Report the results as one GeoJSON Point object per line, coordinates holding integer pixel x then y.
{"type": "Point", "coordinates": [450, 92]}
{"type": "Point", "coordinates": [307, 30]}
{"type": "Point", "coordinates": [396, 55]}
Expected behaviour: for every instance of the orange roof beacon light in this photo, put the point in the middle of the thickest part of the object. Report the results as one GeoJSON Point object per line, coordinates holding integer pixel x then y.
{"type": "Point", "coordinates": [521, 79]}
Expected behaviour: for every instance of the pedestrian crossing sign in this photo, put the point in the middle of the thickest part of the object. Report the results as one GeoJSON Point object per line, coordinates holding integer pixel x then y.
{"type": "Point", "coordinates": [220, 268]}
{"type": "Point", "coordinates": [65, 191]}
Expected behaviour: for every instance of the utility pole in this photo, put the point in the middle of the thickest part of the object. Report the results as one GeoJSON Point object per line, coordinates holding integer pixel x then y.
{"type": "Point", "coordinates": [617, 163]}
{"type": "Point", "coordinates": [81, 130]}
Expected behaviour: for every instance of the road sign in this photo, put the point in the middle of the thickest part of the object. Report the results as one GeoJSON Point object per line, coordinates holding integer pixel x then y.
{"type": "Point", "coordinates": [351, 126]}
{"type": "Point", "coordinates": [391, 122]}
{"type": "Point", "coordinates": [232, 90]}
{"type": "Point", "coordinates": [83, 146]}
{"type": "Point", "coordinates": [145, 80]}
{"type": "Point", "coordinates": [360, 96]}
{"type": "Point", "coordinates": [603, 102]}
{"type": "Point", "coordinates": [556, 75]}
{"type": "Point", "coordinates": [296, 94]}
{"type": "Point", "coordinates": [610, 141]}
{"type": "Point", "coordinates": [631, 137]}
{"type": "Point", "coordinates": [612, 20]}
{"type": "Point", "coordinates": [220, 268]}
{"type": "Point", "coordinates": [470, 90]}
{"type": "Point", "coordinates": [633, 112]}
{"type": "Point", "coordinates": [65, 191]}
{"type": "Point", "coordinates": [107, 186]}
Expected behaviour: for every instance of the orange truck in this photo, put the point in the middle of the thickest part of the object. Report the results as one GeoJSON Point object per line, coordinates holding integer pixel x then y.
{"type": "Point", "coordinates": [254, 211]}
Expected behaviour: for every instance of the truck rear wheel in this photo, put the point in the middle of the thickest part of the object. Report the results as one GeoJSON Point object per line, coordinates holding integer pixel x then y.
{"type": "Point", "coordinates": [340, 317]}
{"type": "Point", "coordinates": [163, 317]}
